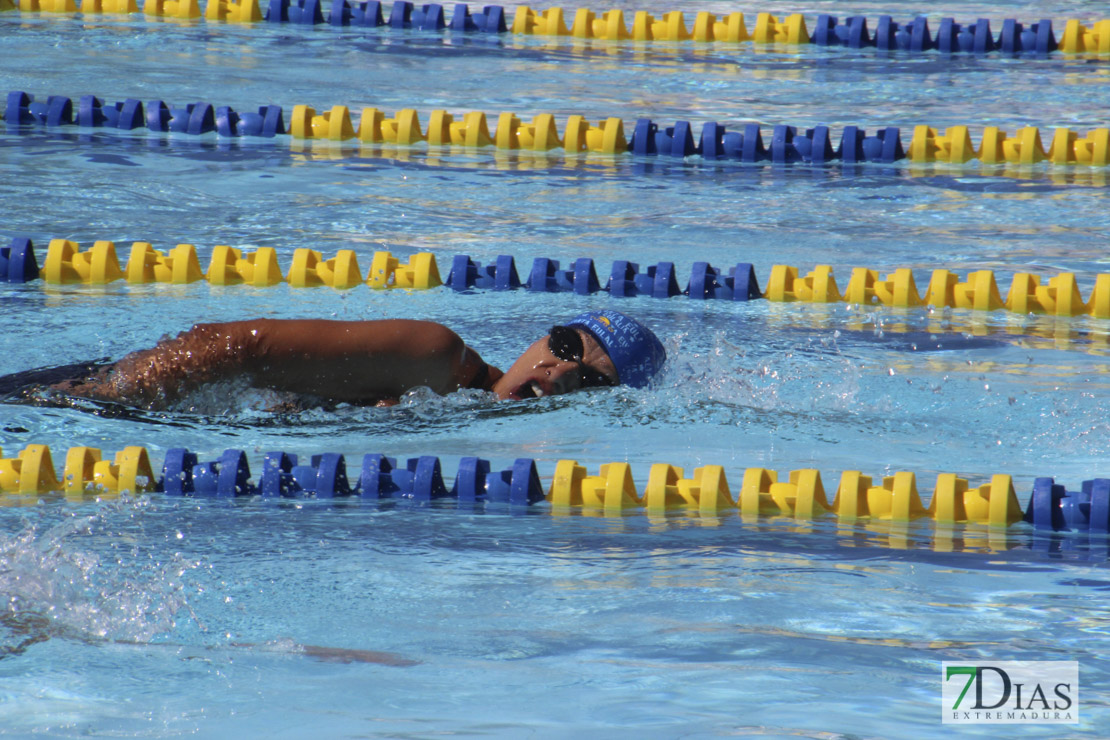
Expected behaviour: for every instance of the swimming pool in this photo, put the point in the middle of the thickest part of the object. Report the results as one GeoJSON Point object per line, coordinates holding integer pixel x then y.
{"type": "Point", "coordinates": [172, 616]}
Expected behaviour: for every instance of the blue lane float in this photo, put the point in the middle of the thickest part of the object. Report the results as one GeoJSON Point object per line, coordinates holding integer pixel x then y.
{"type": "Point", "coordinates": [306, 12]}
{"type": "Point", "coordinates": [547, 277]}
{"type": "Point", "coordinates": [466, 273]}
{"type": "Point", "coordinates": [18, 263]}
{"type": "Point", "coordinates": [490, 20]}
{"type": "Point", "coordinates": [93, 113]}
{"type": "Point", "coordinates": [325, 476]}
{"type": "Point", "coordinates": [367, 14]}
{"type": "Point", "coordinates": [1051, 507]}
{"type": "Point", "coordinates": [268, 122]}
{"type": "Point", "coordinates": [951, 37]}
{"type": "Point", "coordinates": [657, 281]}
{"type": "Point", "coordinates": [56, 111]}
{"type": "Point", "coordinates": [192, 118]}
{"type": "Point", "coordinates": [738, 284]}
{"type": "Point", "coordinates": [626, 280]}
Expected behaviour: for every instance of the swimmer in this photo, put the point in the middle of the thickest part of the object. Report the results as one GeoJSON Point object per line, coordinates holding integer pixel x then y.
{"type": "Point", "coordinates": [32, 628]}
{"type": "Point", "coordinates": [364, 363]}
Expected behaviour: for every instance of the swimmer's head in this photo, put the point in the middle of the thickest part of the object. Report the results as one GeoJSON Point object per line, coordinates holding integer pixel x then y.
{"type": "Point", "coordinates": [636, 353]}
{"type": "Point", "coordinates": [597, 348]}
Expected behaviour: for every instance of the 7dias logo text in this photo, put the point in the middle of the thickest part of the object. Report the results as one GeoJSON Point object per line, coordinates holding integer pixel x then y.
{"type": "Point", "coordinates": [1015, 692]}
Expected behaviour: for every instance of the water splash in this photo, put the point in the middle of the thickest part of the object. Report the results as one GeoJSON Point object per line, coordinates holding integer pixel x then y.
{"type": "Point", "coordinates": [88, 577]}
{"type": "Point", "coordinates": [236, 398]}
{"type": "Point", "coordinates": [238, 401]}
{"type": "Point", "coordinates": [427, 403]}
{"type": "Point", "coordinates": [794, 378]}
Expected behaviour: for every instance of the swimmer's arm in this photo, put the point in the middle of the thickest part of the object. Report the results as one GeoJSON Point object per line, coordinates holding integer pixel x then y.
{"type": "Point", "coordinates": [173, 367]}
{"type": "Point", "coordinates": [342, 360]}
{"type": "Point", "coordinates": [362, 360]}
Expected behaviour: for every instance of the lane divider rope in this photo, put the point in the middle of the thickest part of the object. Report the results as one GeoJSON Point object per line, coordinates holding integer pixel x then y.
{"type": "Point", "coordinates": [613, 25]}
{"type": "Point", "coordinates": [787, 144]}
{"type": "Point", "coordinates": [67, 263]}
{"type": "Point", "coordinates": [799, 495]}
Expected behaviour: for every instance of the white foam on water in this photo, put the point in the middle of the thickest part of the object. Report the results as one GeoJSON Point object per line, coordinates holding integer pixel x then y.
{"type": "Point", "coordinates": [90, 577]}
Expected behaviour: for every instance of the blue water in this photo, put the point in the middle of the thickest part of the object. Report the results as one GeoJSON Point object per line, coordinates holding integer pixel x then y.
{"type": "Point", "coordinates": [165, 617]}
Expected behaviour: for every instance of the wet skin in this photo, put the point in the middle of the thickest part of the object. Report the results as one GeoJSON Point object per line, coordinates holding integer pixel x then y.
{"type": "Point", "coordinates": [359, 362]}
{"type": "Point", "coordinates": [538, 372]}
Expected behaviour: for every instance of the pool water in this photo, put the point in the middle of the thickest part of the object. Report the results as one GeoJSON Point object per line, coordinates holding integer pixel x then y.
{"type": "Point", "coordinates": [163, 616]}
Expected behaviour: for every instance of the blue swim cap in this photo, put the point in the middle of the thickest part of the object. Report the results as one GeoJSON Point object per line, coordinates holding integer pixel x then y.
{"type": "Point", "coordinates": [634, 349]}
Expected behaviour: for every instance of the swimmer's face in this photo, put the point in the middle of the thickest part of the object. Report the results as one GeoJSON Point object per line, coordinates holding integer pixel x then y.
{"type": "Point", "coordinates": [550, 367]}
